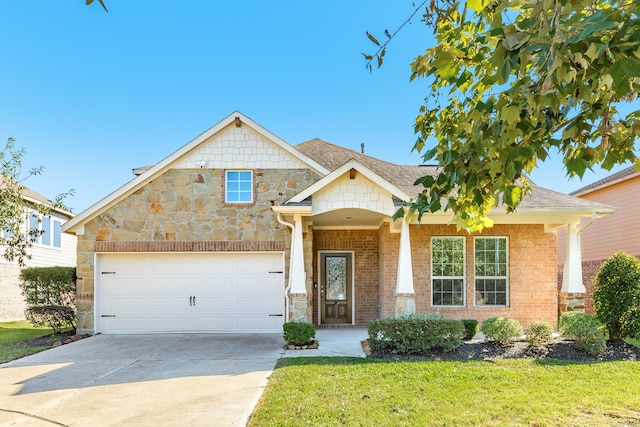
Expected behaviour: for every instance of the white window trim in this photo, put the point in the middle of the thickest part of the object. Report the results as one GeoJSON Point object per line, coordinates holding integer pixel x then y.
{"type": "Point", "coordinates": [226, 187]}
{"type": "Point", "coordinates": [464, 272]}
{"type": "Point", "coordinates": [506, 276]}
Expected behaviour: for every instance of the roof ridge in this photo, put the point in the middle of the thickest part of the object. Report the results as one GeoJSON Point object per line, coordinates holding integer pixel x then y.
{"type": "Point", "coordinates": [354, 151]}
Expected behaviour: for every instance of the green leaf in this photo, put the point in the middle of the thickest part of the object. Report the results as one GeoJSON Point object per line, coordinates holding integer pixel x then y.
{"type": "Point", "coordinates": [373, 39]}
{"type": "Point", "coordinates": [477, 5]}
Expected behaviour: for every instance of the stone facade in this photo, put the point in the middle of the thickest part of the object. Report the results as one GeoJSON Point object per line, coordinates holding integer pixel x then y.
{"type": "Point", "coordinates": [187, 205]}
{"type": "Point", "coordinates": [12, 303]}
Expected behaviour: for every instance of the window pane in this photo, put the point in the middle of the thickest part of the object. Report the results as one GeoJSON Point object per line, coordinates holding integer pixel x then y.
{"type": "Point", "coordinates": [447, 271]}
{"type": "Point", "coordinates": [34, 225]}
{"type": "Point", "coordinates": [232, 175]}
{"type": "Point", "coordinates": [491, 260]}
{"type": "Point", "coordinates": [46, 231]}
{"type": "Point", "coordinates": [57, 234]}
{"type": "Point", "coordinates": [239, 186]}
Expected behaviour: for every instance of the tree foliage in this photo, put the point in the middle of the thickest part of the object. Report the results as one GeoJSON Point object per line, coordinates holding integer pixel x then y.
{"type": "Point", "coordinates": [15, 237]}
{"type": "Point", "coordinates": [511, 81]}
{"type": "Point", "coordinates": [617, 296]}
{"type": "Point", "coordinates": [88, 2]}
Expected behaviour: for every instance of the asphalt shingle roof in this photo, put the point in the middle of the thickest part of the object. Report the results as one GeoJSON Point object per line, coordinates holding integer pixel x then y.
{"type": "Point", "coordinates": [613, 177]}
{"type": "Point", "coordinates": [332, 156]}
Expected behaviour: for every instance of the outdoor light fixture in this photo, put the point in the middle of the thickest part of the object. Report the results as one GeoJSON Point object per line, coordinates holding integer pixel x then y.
{"type": "Point", "coordinates": [202, 164]}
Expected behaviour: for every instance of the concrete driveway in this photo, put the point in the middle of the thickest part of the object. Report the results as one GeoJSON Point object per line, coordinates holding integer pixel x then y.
{"type": "Point", "coordinates": [140, 380]}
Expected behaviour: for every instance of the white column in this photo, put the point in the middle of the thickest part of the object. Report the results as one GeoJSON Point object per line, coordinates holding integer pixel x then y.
{"type": "Point", "coordinates": [298, 285]}
{"type": "Point", "coordinates": [572, 274]}
{"type": "Point", "coordinates": [404, 283]}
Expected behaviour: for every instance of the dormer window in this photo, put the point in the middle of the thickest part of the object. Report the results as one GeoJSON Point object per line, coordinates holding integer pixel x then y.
{"type": "Point", "coordinates": [238, 186]}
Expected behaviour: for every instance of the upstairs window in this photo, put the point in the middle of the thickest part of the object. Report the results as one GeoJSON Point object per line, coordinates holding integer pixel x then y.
{"type": "Point", "coordinates": [238, 186]}
{"type": "Point", "coordinates": [49, 231]}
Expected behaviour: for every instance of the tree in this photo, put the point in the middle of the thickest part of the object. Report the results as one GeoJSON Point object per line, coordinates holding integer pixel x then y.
{"type": "Point", "coordinates": [512, 80]}
{"type": "Point", "coordinates": [617, 296]}
{"type": "Point", "coordinates": [15, 239]}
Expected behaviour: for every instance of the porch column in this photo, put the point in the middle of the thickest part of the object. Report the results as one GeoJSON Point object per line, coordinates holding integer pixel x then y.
{"type": "Point", "coordinates": [298, 307]}
{"type": "Point", "coordinates": [573, 291]}
{"type": "Point", "coordinates": [405, 294]}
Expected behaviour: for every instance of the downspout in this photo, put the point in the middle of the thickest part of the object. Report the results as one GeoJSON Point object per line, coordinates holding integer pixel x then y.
{"type": "Point", "coordinates": [286, 290]}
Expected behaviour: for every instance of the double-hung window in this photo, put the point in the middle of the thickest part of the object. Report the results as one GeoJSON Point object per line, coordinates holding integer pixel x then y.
{"type": "Point", "coordinates": [491, 271]}
{"type": "Point", "coordinates": [447, 272]}
{"type": "Point", "coordinates": [238, 186]}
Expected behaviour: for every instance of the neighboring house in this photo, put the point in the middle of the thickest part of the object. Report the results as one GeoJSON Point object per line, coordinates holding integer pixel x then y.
{"type": "Point", "coordinates": [606, 236]}
{"type": "Point", "coordinates": [52, 248]}
{"type": "Point", "coordinates": [240, 231]}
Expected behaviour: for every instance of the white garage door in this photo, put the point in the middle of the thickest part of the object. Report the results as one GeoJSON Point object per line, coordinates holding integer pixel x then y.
{"type": "Point", "coordinates": [222, 292]}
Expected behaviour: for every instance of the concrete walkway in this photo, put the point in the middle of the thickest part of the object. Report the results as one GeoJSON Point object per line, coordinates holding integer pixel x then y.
{"type": "Point", "coordinates": [335, 342]}
{"type": "Point", "coordinates": [152, 380]}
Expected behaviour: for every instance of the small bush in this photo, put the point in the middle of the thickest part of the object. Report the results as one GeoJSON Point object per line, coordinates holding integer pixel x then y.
{"type": "Point", "coordinates": [471, 328]}
{"type": "Point", "coordinates": [419, 316]}
{"type": "Point", "coordinates": [298, 333]}
{"type": "Point", "coordinates": [616, 296]}
{"type": "Point", "coordinates": [585, 330]}
{"type": "Point", "coordinates": [56, 317]}
{"type": "Point", "coordinates": [573, 322]}
{"type": "Point", "coordinates": [539, 333]}
{"type": "Point", "coordinates": [501, 329]}
{"type": "Point", "coordinates": [414, 334]}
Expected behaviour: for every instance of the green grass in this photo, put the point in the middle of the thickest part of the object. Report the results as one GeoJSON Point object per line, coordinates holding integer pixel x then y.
{"type": "Point", "coordinates": [14, 333]}
{"type": "Point", "coordinates": [364, 392]}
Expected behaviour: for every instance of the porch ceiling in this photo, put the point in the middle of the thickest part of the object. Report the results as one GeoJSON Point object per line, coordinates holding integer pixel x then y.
{"type": "Point", "coordinates": [348, 218]}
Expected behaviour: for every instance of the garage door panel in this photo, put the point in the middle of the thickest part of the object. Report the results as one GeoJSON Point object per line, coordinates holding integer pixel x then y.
{"type": "Point", "coordinates": [153, 292]}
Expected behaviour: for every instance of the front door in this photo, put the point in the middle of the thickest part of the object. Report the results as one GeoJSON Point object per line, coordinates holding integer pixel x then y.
{"type": "Point", "coordinates": [335, 288]}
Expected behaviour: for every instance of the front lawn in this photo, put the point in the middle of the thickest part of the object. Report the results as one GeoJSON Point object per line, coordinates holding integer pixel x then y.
{"type": "Point", "coordinates": [366, 392]}
{"type": "Point", "coordinates": [13, 335]}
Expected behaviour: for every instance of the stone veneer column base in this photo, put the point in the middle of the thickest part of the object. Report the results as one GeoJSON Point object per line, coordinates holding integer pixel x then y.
{"type": "Point", "coordinates": [405, 304]}
{"type": "Point", "coordinates": [298, 308]}
{"type": "Point", "coordinates": [571, 301]}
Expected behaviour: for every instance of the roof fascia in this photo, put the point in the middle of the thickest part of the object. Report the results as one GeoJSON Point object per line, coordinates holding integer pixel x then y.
{"type": "Point", "coordinates": [351, 164]}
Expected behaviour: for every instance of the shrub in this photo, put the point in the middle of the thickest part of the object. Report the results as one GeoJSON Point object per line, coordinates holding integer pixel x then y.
{"type": "Point", "coordinates": [419, 316]}
{"type": "Point", "coordinates": [616, 296]}
{"type": "Point", "coordinates": [539, 333]}
{"type": "Point", "coordinates": [56, 317]}
{"type": "Point", "coordinates": [471, 328]}
{"type": "Point", "coordinates": [50, 294]}
{"type": "Point", "coordinates": [298, 333]}
{"type": "Point", "coordinates": [501, 329]}
{"type": "Point", "coordinates": [414, 334]}
{"type": "Point", "coordinates": [586, 330]}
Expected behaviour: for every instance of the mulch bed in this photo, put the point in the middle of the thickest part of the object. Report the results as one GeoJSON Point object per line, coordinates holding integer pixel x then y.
{"type": "Point", "coordinates": [52, 340]}
{"type": "Point", "coordinates": [560, 349]}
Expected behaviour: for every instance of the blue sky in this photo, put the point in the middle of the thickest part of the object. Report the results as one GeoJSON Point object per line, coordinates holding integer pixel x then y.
{"type": "Point", "coordinates": [91, 95]}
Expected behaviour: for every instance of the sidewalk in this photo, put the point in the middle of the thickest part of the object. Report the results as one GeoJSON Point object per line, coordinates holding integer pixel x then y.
{"type": "Point", "coordinates": [334, 342]}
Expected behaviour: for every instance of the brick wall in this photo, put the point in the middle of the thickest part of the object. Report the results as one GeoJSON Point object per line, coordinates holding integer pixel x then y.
{"type": "Point", "coordinates": [12, 303]}
{"type": "Point", "coordinates": [364, 244]}
{"type": "Point", "coordinates": [533, 293]}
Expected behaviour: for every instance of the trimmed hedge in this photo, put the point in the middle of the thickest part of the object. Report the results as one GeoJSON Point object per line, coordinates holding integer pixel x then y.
{"type": "Point", "coordinates": [471, 328]}
{"type": "Point", "coordinates": [298, 333]}
{"type": "Point", "coordinates": [414, 334]}
{"type": "Point", "coordinates": [50, 294]}
{"type": "Point", "coordinates": [539, 332]}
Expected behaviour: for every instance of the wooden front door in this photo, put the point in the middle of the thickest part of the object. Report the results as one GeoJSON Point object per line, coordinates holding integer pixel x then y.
{"type": "Point", "coordinates": [335, 288]}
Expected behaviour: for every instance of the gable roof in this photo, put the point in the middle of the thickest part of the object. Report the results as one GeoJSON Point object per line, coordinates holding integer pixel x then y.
{"type": "Point", "coordinates": [333, 156]}
{"type": "Point", "coordinates": [33, 197]}
{"type": "Point", "coordinates": [403, 177]}
{"type": "Point", "coordinates": [337, 173]}
{"type": "Point", "coordinates": [148, 175]}
{"type": "Point", "coordinates": [622, 175]}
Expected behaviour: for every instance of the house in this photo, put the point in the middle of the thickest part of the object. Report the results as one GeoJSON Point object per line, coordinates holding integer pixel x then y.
{"type": "Point", "coordinates": [240, 231]}
{"type": "Point", "coordinates": [604, 237]}
{"type": "Point", "coordinates": [52, 248]}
